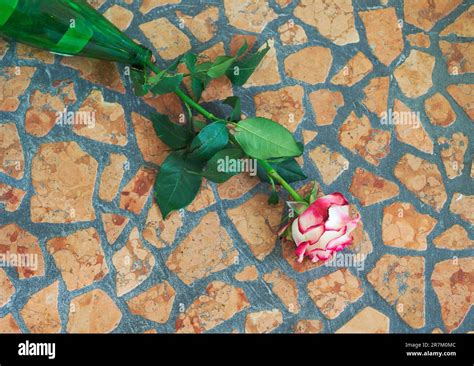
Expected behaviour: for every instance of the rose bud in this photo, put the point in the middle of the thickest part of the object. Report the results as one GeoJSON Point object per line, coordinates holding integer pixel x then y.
{"type": "Point", "coordinates": [323, 228]}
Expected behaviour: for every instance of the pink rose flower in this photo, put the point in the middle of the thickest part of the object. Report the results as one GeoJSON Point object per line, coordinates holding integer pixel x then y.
{"type": "Point", "coordinates": [323, 228]}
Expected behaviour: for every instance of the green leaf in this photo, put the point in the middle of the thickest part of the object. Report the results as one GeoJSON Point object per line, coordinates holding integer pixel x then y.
{"type": "Point", "coordinates": [289, 170]}
{"type": "Point", "coordinates": [176, 185]}
{"type": "Point", "coordinates": [236, 105]}
{"type": "Point", "coordinates": [167, 84]}
{"type": "Point", "coordinates": [174, 135]}
{"type": "Point", "coordinates": [241, 70]}
{"type": "Point", "coordinates": [265, 139]}
{"type": "Point", "coordinates": [220, 66]}
{"type": "Point", "coordinates": [138, 79]}
{"type": "Point", "coordinates": [197, 87]}
{"type": "Point", "coordinates": [190, 60]}
{"type": "Point", "coordinates": [209, 141]}
{"type": "Point", "coordinates": [216, 169]}
{"type": "Point", "coordinates": [242, 49]}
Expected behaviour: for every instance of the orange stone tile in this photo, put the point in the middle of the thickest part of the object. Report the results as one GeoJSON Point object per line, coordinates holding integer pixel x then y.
{"type": "Point", "coordinates": [99, 72]}
{"type": "Point", "coordinates": [26, 52]}
{"type": "Point", "coordinates": [112, 177]}
{"type": "Point", "coordinates": [249, 15]}
{"type": "Point", "coordinates": [420, 40]}
{"type": "Point", "coordinates": [284, 106]}
{"type": "Point", "coordinates": [462, 26]}
{"type": "Point", "coordinates": [167, 104]}
{"type": "Point", "coordinates": [452, 282]}
{"type": "Point", "coordinates": [409, 128]}
{"type": "Point", "coordinates": [237, 186]}
{"type": "Point", "coordinates": [135, 194]}
{"type": "Point", "coordinates": [20, 246]}
{"type": "Point", "coordinates": [249, 273]}
{"type": "Point", "coordinates": [8, 325]}
{"type": "Point", "coordinates": [311, 64]}
{"type": "Point", "coordinates": [414, 75]}
{"type": "Point", "coordinates": [292, 34]}
{"type": "Point", "coordinates": [453, 152]}
{"type": "Point", "coordinates": [93, 312]}
{"type": "Point", "coordinates": [158, 232]}
{"type": "Point", "coordinates": [462, 205]}
{"type": "Point", "coordinates": [63, 177]}
{"type": "Point", "coordinates": [12, 161]}
{"type": "Point", "coordinates": [257, 222]}
{"type": "Point", "coordinates": [151, 147]}
{"type": "Point", "coordinates": [357, 68]}
{"type": "Point", "coordinates": [40, 313]}
{"type": "Point", "coordinates": [7, 290]}
{"type": "Point", "coordinates": [220, 303]}
{"type": "Point", "coordinates": [267, 72]}
{"type": "Point", "coordinates": [308, 326]}
{"type": "Point", "coordinates": [370, 189]}
{"type": "Point", "coordinates": [285, 288]}
{"type": "Point", "coordinates": [439, 111]}
{"type": "Point", "coordinates": [133, 264]}
{"type": "Point", "coordinates": [330, 163]}
{"type": "Point", "coordinates": [119, 16]}
{"type": "Point", "coordinates": [148, 5]}
{"type": "Point", "coordinates": [79, 257]}
{"type": "Point", "coordinates": [113, 226]}
{"type": "Point", "coordinates": [42, 115]}
{"type": "Point", "coordinates": [425, 14]}
{"type": "Point", "coordinates": [239, 40]}
{"type": "Point", "coordinates": [376, 95]}
{"type": "Point", "coordinates": [400, 280]}
{"type": "Point", "coordinates": [204, 199]}
{"type": "Point", "coordinates": [11, 197]}
{"type": "Point", "coordinates": [13, 83]}
{"type": "Point", "coordinates": [203, 26]}
{"type": "Point", "coordinates": [463, 94]}
{"type": "Point", "coordinates": [154, 304]}
{"type": "Point", "coordinates": [357, 135]}
{"type": "Point", "coordinates": [167, 39]}
{"type": "Point", "coordinates": [325, 105]}
{"type": "Point", "coordinates": [333, 293]}
{"type": "Point", "coordinates": [333, 19]}
{"type": "Point", "coordinates": [404, 227]}
{"type": "Point", "coordinates": [207, 249]}
{"type": "Point", "coordinates": [454, 238]}
{"type": "Point", "coordinates": [459, 57]}
{"type": "Point", "coordinates": [108, 120]}
{"type": "Point", "coordinates": [384, 33]}
{"type": "Point", "coordinates": [263, 322]}
{"type": "Point", "coordinates": [368, 321]}
{"type": "Point", "coordinates": [423, 179]}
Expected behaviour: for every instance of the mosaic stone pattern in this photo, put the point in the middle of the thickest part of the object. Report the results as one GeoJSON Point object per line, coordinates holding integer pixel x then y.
{"type": "Point", "coordinates": [380, 91]}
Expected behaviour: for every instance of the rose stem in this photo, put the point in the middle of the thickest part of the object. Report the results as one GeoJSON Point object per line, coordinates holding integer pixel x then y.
{"type": "Point", "coordinates": [268, 168]}
{"type": "Point", "coordinates": [274, 174]}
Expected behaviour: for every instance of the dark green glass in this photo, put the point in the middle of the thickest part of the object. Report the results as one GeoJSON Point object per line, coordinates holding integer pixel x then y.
{"type": "Point", "coordinates": [68, 27]}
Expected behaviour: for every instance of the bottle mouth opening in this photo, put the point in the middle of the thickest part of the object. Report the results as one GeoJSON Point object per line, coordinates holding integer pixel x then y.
{"type": "Point", "coordinates": [142, 57]}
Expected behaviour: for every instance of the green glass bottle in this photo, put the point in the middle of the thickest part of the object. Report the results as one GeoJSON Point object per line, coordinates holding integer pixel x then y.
{"type": "Point", "coordinates": [69, 27]}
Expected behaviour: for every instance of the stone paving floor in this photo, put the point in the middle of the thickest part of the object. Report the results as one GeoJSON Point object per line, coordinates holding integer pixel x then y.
{"type": "Point", "coordinates": [381, 92]}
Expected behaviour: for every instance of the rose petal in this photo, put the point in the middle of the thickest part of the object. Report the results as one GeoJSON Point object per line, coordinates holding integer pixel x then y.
{"type": "Point", "coordinates": [338, 217]}
{"type": "Point", "coordinates": [311, 236]}
{"type": "Point", "coordinates": [300, 251]}
{"type": "Point", "coordinates": [317, 212]}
